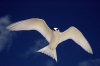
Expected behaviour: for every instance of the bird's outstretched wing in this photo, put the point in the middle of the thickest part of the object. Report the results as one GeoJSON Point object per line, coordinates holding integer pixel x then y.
{"type": "Point", "coordinates": [74, 34]}
{"type": "Point", "coordinates": [32, 24]}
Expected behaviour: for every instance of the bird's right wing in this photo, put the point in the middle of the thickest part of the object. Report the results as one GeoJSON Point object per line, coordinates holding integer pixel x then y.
{"type": "Point", "coordinates": [74, 34]}
{"type": "Point", "coordinates": [32, 24]}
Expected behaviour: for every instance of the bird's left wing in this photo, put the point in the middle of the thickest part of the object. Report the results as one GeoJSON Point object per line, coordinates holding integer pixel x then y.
{"type": "Point", "coordinates": [32, 24]}
{"type": "Point", "coordinates": [74, 34]}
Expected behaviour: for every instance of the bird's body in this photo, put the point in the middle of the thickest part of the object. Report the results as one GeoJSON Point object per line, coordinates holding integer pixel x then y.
{"type": "Point", "coordinates": [55, 39]}
{"type": "Point", "coordinates": [54, 36]}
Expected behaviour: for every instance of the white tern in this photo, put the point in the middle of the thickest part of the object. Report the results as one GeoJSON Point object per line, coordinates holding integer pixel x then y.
{"type": "Point", "coordinates": [53, 36]}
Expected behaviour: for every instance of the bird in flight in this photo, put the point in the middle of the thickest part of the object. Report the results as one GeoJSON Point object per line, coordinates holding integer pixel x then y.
{"type": "Point", "coordinates": [53, 36]}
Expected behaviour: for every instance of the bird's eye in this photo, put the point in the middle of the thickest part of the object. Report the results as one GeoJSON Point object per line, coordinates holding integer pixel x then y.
{"type": "Point", "coordinates": [53, 29]}
{"type": "Point", "coordinates": [57, 29]}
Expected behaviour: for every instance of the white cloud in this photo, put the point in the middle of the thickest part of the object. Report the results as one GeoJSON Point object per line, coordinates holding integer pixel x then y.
{"type": "Point", "coordinates": [50, 63]}
{"type": "Point", "coordinates": [95, 62]}
{"type": "Point", "coordinates": [37, 45]}
{"type": "Point", "coordinates": [4, 34]}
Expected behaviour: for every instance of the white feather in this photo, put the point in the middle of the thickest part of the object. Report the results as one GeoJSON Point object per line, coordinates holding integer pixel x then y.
{"type": "Point", "coordinates": [46, 50]}
{"type": "Point", "coordinates": [53, 37]}
{"type": "Point", "coordinates": [32, 24]}
{"type": "Point", "coordinates": [74, 34]}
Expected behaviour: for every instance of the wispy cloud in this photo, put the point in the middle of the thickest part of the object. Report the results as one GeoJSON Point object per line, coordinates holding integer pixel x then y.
{"type": "Point", "coordinates": [41, 43]}
{"type": "Point", "coordinates": [37, 45]}
{"type": "Point", "coordinates": [50, 63]}
{"type": "Point", "coordinates": [4, 34]}
{"type": "Point", "coordinates": [95, 62]}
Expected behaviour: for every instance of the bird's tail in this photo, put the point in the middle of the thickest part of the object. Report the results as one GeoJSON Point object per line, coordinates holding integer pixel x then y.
{"type": "Point", "coordinates": [50, 52]}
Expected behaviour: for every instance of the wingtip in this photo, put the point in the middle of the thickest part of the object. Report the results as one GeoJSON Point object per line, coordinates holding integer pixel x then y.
{"type": "Point", "coordinates": [90, 52]}
{"type": "Point", "coordinates": [9, 28]}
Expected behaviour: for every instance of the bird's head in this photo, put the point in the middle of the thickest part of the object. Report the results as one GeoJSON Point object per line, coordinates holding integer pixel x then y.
{"type": "Point", "coordinates": [55, 29]}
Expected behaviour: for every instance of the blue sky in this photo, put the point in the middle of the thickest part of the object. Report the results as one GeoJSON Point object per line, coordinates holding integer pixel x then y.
{"type": "Point", "coordinates": [19, 48]}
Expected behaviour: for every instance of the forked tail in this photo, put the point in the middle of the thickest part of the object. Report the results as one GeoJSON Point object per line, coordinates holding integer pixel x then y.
{"type": "Point", "coordinates": [50, 52]}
